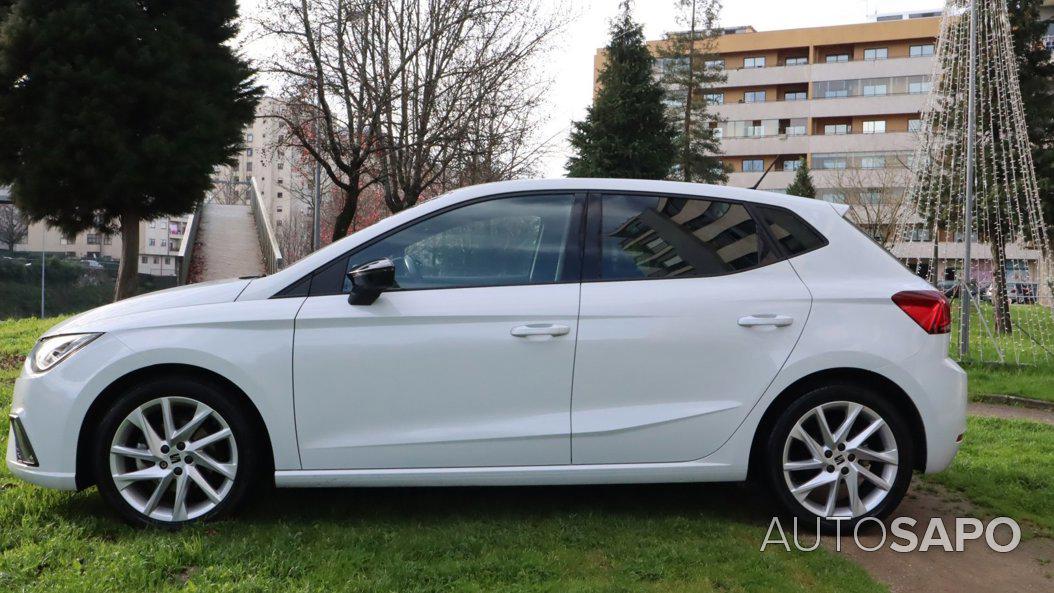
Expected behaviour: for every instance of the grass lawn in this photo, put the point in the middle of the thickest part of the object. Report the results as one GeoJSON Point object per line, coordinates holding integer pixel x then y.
{"type": "Point", "coordinates": [1007, 468]}
{"type": "Point", "coordinates": [617, 538]}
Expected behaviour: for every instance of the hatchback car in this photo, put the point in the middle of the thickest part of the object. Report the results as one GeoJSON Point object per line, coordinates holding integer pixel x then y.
{"type": "Point", "coordinates": [533, 332]}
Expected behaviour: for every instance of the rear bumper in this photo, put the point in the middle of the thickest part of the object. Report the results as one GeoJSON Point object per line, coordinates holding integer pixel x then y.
{"type": "Point", "coordinates": [939, 392]}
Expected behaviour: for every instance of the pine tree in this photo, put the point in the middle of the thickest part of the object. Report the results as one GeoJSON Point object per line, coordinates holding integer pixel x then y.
{"type": "Point", "coordinates": [802, 185]}
{"type": "Point", "coordinates": [626, 132]}
{"type": "Point", "coordinates": [688, 60]}
{"type": "Point", "coordinates": [1036, 77]}
{"type": "Point", "coordinates": [117, 111]}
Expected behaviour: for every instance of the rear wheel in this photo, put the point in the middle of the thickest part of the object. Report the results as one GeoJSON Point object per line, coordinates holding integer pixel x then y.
{"type": "Point", "coordinates": [840, 453]}
{"type": "Point", "coordinates": [173, 451]}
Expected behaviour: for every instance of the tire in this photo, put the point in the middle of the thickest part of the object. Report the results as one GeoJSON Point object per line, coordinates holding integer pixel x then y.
{"type": "Point", "coordinates": [810, 499]}
{"type": "Point", "coordinates": [210, 450]}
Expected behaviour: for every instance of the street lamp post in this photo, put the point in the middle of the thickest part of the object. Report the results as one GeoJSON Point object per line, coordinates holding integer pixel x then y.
{"type": "Point", "coordinates": [971, 109]}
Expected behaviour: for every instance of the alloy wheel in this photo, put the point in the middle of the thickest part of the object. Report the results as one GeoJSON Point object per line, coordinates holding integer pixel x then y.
{"type": "Point", "coordinates": [840, 460]}
{"type": "Point", "coordinates": [173, 459]}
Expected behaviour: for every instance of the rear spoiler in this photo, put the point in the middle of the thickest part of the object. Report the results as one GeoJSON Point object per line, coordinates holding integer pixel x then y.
{"type": "Point", "coordinates": [841, 209]}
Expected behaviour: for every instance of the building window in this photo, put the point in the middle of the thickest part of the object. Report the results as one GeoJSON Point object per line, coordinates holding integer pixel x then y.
{"type": "Point", "coordinates": [754, 97]}
{"type": "Point", "coordinates": [792, 165]}
{"type": "Point", "coordinates": [249, 137]}
{"type": "Point", "coordinates": [833, 89]}
{"type": "Point", "coordinates": [871, 197]}
{"type": "Point", "coordinates": [67, 239]}
{"type": "Point", "coordinates": [248, 152]}
{"type": "Point", "coordinates": [168, 260]}
{"type": "Point", "coordinates": [753, 165]}
{"type": "Point", "coordinates": [93, 239]}
{"type": "Point", "coordinates": [164, 243]}
{"type": "Point", "coordinates": [145, 260]}
{"type": "Point", "coordinates": [876, 88]}
{"type": "Point", "coordinates": [714, 98]}
{"type": "Point", "coordinates": [754, 62]}
{"type": "Point", "coordinates": [918, 87]}
{"type": "Point", "coordinates": [793, 127]}
{"type": "Point", "coordinates": [278, 208]}
{"type": "Point", "coordinates": [281, 166]}
{"type": "Point", "coordinates": [920, 51]}
{"type": "Point", "coordinates": [151, 242]}
{"type": "Point", "coordinates": [157, 260]}
{"type": "Point", "coordinates": [797, 61]}
{"type": "Point", "coordinates": [836, 129]}
{"type": "Point", "coordinates": [914, 125]}
{"type": "Point", "coordinates": [248, 165]}
{"type": "Point", "coordinates": [833, 58]}
{"type": "Point", "coordinates": [876, 53]}
{"type": "Point", "coordinates": [833, 197]}
{"type": "Point", "coordinates": [279, 195]}
{"type": "Point", "coordinates": [795, 96]}
{"type": "Point", "coordinates": [875, 127]}
{"type": "Point", "coordinates": [755, 128]}
{"type": "Point", "coordinates": [714, 64]}
{"type": "Point", "coordinates": [873, 162]}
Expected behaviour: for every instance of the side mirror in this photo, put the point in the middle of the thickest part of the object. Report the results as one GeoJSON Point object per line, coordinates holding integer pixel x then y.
{"type": "Point", "coordinates": [369, 280]}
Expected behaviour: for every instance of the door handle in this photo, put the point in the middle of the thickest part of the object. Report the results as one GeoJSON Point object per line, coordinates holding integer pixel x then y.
{"type": "Point", "coordinates": [766, 319]}
{"type": "Point", "coordinates": [539, 329]}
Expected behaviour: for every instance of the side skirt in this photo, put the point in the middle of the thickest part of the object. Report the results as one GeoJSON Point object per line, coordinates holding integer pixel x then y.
{"type": "Point", "coordinates": [545, 475]}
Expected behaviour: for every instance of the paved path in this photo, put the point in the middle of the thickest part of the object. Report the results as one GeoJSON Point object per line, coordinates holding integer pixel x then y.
{"type": "Point", "coordinates": [1012, 412]}
{"type": "Point", "coordinates": [227, 244]}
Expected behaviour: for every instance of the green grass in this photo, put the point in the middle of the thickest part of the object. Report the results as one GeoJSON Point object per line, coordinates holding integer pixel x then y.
{"type": "Point", "coordinates": [613, 538]}
{"type": "Point", "coordinates": [1036, 382]}
{"type": "Point", "coordinates": [1007, 468]}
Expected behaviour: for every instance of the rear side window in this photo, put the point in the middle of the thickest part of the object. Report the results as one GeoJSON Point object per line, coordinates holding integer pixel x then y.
{"type": "Point", "coordinates": [668, 237]}
{"type": "Point", "coordinates": [791, 232]}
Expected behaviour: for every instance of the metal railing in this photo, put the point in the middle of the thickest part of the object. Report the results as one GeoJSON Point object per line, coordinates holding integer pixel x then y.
{"type": "Point", "coordinates": [186, 248]}
{"type": "Point", "coordinates": [265, 232]}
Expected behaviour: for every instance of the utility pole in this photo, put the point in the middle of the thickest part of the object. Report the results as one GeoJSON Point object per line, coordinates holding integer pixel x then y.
{"type": "Point", "coordinates": [43, 250]}
{"type": "Point", "coordinates": [971, 109]}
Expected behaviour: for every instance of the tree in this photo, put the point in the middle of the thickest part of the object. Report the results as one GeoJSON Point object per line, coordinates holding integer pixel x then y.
{"type": "Point", "coordinates": [802, 185]}
{"type": "Point", "coordinates": [688, 60]}
{"type": "Point", "coordinates": [626, 132]}
{"type": "Point", "coordinates": [117, 111]}
{"type": "Point", "coordinates": [13, 226]}
{"type": "Point", "coordinates": [1036, 76]}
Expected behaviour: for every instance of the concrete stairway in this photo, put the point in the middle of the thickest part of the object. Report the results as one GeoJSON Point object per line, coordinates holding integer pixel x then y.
{"type": "Point", "coordinates": [227, 244]}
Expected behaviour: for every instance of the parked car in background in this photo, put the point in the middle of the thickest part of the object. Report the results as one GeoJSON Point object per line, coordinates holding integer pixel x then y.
{"type": "Point", "coordinates": [1021, 293]}
{"type": "Point", "coordinates": [573, 331]}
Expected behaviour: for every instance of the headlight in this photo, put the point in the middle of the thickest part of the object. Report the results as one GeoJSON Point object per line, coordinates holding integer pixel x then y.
{"type": "Point", "coordinates": [50, 351]}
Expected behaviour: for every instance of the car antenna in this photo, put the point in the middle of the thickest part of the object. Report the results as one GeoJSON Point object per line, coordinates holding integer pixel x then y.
{"type": "Point", "coordinates": [762, 178]}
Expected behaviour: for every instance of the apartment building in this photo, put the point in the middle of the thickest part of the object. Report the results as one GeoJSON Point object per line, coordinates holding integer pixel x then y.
{"type": "Point", "coordinates": [845, 99]}
{"type": "Point", "coordinates": [281, 177]}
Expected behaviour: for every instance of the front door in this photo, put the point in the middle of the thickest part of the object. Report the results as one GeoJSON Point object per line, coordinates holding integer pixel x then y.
{"type": "Point", "coordinates": [687, 315]}
{"type": "Point", "coordinates": [467, 364]}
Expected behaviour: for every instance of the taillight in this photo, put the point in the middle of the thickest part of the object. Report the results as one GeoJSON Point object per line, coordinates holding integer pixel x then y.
{"type": "Point", "coordinates": [929, 308]}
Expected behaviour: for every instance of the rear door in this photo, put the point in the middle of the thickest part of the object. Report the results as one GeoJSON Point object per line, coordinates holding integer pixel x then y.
{"type": "Point", "coordinates": [688, 311]}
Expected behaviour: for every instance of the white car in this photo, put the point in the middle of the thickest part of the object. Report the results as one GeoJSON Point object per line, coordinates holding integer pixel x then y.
{"type": "Point", "coordinates": [572, 331]}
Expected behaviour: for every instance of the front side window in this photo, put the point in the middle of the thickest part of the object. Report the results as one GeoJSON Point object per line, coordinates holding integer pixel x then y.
{"type": "Point", "coordinates": [663, 237]}
{"type": "Point", "coordinates": [507, 241]}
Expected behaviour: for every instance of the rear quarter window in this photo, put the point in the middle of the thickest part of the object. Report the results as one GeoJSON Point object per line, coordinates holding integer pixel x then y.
{"type": "Point", "coordinates": [793, 234]}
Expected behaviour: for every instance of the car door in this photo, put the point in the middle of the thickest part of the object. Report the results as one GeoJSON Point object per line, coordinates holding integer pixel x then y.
{"type": "Point", "coordinates": [687, 313]}
{"type": "Point", "coordinates": [467, 363]}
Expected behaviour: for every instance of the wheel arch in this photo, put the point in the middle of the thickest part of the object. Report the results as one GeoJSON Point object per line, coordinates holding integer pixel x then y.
{"type": "Point", "coordinates": [845, 375]}
{"type": "Point", "coordinates": [84, 475]}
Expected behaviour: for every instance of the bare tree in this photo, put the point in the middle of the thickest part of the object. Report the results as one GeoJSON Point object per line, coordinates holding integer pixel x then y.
{"type": "Point", "coordinates": [447, 66]}
{"type": "Point", "coordinates": [227, 188]}
{"type": "Point", "coordinates": [876, 197]}
{"type": "Point", "coordinates": [13, 226]}
{"type": "Point", "coordinates": [294, 237]}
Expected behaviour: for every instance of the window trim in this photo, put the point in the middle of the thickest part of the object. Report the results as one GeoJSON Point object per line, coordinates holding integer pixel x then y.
{"type": "Point", "coordinates": [592, 261]}
{"type": "Point", "coordinates": [333, 271]}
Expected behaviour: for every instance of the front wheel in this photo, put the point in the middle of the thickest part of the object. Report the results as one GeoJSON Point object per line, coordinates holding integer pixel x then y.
{"type": "Point", "coordinates": [840, 453]}
{"type": "Point", "coordinates": [173, 451]}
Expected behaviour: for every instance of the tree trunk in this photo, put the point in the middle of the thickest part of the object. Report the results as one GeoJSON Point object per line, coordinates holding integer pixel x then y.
{"type": "Point", "coordinates": [1000, 299]}
{"type": "Point", "coordinates": [128, 272]}
{"type": "Point", "coordinates": [347, 213]}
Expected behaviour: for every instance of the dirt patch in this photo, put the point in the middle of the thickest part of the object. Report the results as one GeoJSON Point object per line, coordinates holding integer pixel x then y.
{"type": "Point", "coordinates": [10, 362]}
{"type": "Point", "coordinates": [1011, 412]}
{"type": "Point", "coordinates": [976, 569]}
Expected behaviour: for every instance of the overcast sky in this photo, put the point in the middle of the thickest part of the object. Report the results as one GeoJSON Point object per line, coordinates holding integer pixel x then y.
{"type": "Point", "coordinates": [572, 66]}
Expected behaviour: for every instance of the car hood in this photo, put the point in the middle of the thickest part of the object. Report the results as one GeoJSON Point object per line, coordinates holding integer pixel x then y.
{"type": "Point", "coordinates": [204, 293]}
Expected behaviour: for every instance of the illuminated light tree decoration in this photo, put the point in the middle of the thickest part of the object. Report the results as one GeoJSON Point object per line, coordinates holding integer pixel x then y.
{"type": "Point", "coordinates": [976, 217]}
